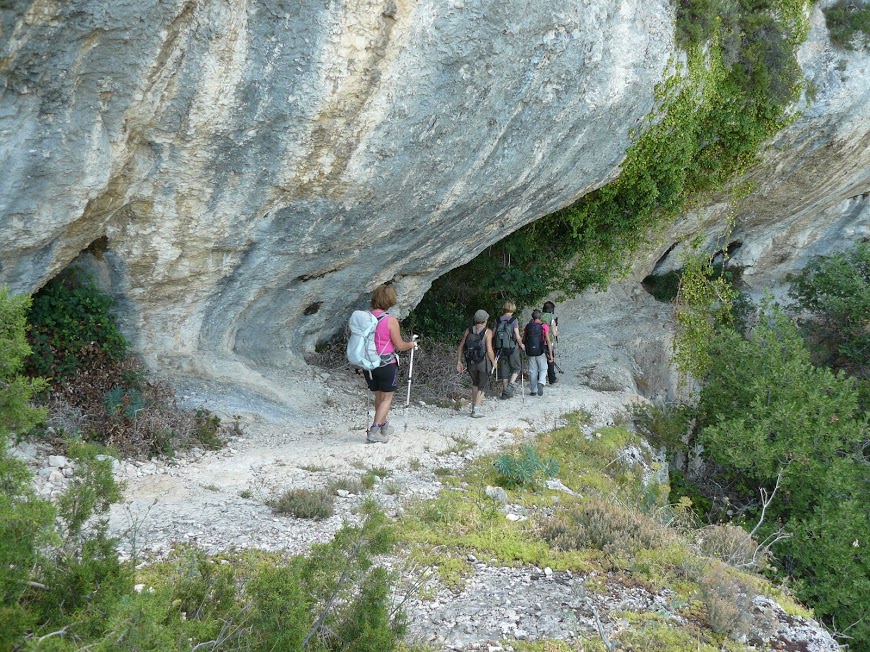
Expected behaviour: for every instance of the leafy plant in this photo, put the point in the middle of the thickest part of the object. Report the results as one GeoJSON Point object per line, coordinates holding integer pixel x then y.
{"type": "Point", "coordinates": [127, 402]}
{"type": "Point", "coordinates": [835, 290]}
{"type": "Point", "coordinates": [16, 391]}
{"type": "Point", "coordinates": [71, 327]}
{"type": "Point", "coordinates": [525, 469]}
{"type": "Point", "coordinates": [848, 22]}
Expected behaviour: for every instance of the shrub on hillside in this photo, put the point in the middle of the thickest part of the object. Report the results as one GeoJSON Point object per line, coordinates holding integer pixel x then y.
{"type": "Point", "coordinates": [61, 569]}
{"type": "Point", "coordinates": [63, 588]}
{"type": "Point", "coordinates": [768, 416]}
{"type": "Point", "coordinates": [848, 23]}
{"type": "Point", "coordinates": [835, 291]}
{"type": "Point", "coordinates": [16, 391]}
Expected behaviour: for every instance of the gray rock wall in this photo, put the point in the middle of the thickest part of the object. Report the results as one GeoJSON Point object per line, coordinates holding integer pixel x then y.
{"type": "Point", "coordinates": [258, 166]}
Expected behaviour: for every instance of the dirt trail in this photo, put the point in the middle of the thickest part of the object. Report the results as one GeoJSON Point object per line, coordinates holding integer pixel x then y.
{"type": "Point", "coordinates": [202, 499]}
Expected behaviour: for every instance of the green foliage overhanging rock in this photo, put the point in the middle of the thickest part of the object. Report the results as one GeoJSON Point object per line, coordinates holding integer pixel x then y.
{"type": "Point", "coordinates": [848, 22]}
{"type": "Point", "coordinates": [714, 115]}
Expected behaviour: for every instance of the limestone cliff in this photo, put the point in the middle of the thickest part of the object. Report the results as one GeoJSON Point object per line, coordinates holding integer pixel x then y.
{"type": "Point", "coordinates": [246, 172]}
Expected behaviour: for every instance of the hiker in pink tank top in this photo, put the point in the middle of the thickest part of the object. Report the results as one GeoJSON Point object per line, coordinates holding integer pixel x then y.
{"type": "Point", "coordinates": [383, 341]}
{"type": "Point", "coordinates": [384, 380]}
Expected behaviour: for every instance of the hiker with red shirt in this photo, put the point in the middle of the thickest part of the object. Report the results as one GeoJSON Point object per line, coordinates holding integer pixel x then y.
{"type": "Point", "coordinates": [539, 349]}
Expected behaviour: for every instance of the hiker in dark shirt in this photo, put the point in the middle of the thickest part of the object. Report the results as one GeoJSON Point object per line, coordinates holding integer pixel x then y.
{"type": "Point", "coordinates": [548, 316]}
{"type": "Point", "coordinates": [475, 349]}
{"type": "Point", "coordinates": [507, 344]}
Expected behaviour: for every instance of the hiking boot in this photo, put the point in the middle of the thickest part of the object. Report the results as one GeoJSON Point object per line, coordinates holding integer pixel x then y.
{"type": "Point", "coordinates": [386, 429]}
{"type": "Point", "coordinates": [504, 396]}
{"type": "Point", "coordinates": [476, 414]}
{"type": "Point", "coordinates": [510, 390]}
{"type": "Point", "coordinates": [540, 390]}
{"type": "Point", "coordinates": [375, 436]}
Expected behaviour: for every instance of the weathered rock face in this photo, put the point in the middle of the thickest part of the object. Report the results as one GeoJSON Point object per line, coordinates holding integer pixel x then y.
{"type": "Point", "coordinates": [245, 173]}
{"type": "Point", "coordinates": [257, 167]}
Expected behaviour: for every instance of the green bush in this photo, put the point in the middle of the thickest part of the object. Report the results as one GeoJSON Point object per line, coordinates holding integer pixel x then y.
{"type": "Point", "coordinates": [835, 290]}
{"type": "Point", "coordinates": [58, 573]}
{"type": "Point", "coordinates": [846, 20]}
{"type": "Point", "coordinates": [766, 414]}
{"type": "Point", "coordinates": [525, 469]}
{"type": "Point", "coordinates": [71, 326]}
{"type": "Point", "coordinates": [16, 391]}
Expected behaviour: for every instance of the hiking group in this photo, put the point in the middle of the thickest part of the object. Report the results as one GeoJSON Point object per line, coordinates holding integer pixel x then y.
{"type": "Point", "coordinates": [485, 352]}
{"type": "Point", "coordinates": [375, 340]}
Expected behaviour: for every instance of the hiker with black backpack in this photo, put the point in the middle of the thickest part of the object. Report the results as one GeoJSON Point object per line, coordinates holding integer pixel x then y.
{"type": "Point", "coordinates": [548, 316]}
{"type": "Point", "coordinates": [536, 336]}
{"type": "Point", "coordinates": [507, 344]}
{"type": "Point", "coordinates": [374, 342]}
{"type": "Point", "coordinates": [475, 348]}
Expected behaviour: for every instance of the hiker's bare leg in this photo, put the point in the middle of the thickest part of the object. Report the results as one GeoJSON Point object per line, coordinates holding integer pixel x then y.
{"type": "Point", "coordinates": [476, 396]}
{"type": "Point", "coordinates": [383, 401]}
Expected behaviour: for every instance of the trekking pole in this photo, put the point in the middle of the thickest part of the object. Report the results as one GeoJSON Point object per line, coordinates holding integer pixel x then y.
{"type": "Point", "coordinates": [522, 388]}
{"type": "Point", "coordinates": [410, 373]}
{"type": "Point", "coordinates": [494, 373]}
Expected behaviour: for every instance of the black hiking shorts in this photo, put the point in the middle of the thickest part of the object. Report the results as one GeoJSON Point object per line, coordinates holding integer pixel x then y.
{"type": "Point", "coordinates": [479, 373]}
{"type": "Point", "coordinates": [383, 379]}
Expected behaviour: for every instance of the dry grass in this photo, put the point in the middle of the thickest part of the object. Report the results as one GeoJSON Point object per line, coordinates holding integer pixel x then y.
{"type": "Point", "coordinates": [727, 598]}
{"type": "Point", "coordinates": [304, 503]}
{"type": "Point", "coordinates": [731, 544]}
{"type": "Point", "coordinates": [606, 526]}
{"type": "Point", "coordinates": [117, 405]}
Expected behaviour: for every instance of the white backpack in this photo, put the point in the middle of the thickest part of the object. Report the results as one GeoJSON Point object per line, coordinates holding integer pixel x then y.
{"type": "Point", "coordinates": [361, 351]}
